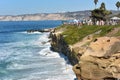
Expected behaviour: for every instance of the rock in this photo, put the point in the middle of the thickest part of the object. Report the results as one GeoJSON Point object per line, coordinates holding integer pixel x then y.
{"type": "Point", "coordinates": [101, 61]}
{"type": "Point", "coordinates": [59, 45]}
{"type": "Point", "coordinates": [76, 68]}
{"type": "Point", "coordinates": [98, 60]}
{"type": "Point", "coordinates": [103, 47]}
{"type": "Point", "coordinates": [43, 42]}
{"type": "Point", "coordinates": [42, 30]}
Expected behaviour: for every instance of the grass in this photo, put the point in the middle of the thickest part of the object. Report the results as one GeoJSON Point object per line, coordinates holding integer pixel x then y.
{"type": "Point", "coordinates": [73, 33]}
{"type": "Point", "coordinates": [117, 34]}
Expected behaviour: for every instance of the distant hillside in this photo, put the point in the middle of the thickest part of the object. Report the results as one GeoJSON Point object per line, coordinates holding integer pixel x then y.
{"type": "Point", "coordinates": [49, 16]}
{"type": "Point", "coordinates": [115, 13]}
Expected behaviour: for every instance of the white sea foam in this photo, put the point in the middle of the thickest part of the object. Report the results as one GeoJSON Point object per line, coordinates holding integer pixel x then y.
{"type": "Point", "coordinates": [16, 66]}
{"type": "Point", "coordinates": [44, 37]}
{"type": "Point", "coordinates": [25, 32]}
{"type": "Point", "coordinates": [5, 53]}
{"type": "Point", "coordinates": [48, 53]}
{"type": "Point", "coordinates": [43, 40]}
{"type": "Point", "coordinates": [34, 33]}
{"type": "Point", "coordinates": [43, 64]}
{"type": "Point", "coordinates": [66, 68]}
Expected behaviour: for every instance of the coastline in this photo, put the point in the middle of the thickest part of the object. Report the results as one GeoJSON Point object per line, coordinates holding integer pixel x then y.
{"type": "Point", "coordinates": [59, 45]}
{"type": "Point", "coordinates": [23, 53]}
{"type": "Point", "coordinates": [81, 56]}
{"type": "Point", "coordinates": [50, 53]}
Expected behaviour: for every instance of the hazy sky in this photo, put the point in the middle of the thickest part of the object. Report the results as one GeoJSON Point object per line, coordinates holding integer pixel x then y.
{"type": "Point", "coordinates": [14, 7]}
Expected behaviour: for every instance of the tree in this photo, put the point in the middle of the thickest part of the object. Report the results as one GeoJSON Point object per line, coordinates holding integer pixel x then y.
{"type": "Point", "coordinates": [118, 5]}
{"type": "Point", "coordinates": [95, 1]}
{"type": "Point", "coordinates": [100, 13]}
{"type": "Point", "coordinates": [102, 6]}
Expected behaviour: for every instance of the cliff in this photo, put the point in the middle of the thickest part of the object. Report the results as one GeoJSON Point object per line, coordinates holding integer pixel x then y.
{"type": "Point", "coordinates": [100, 61]}
{"type": "Point", "coordinates": [94, 51]}
{"type": "Point", "coordinates": [59, 45]}
{"type": "Point", "coordinates": [46, 16]}
{"type": "Point", "coordinates": [51, 16]}
{"type": "Point", "coordinates": [34, 17]}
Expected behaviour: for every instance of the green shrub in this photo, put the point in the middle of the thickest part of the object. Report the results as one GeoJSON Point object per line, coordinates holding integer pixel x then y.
{"type": "Point", "coordinates": [73, 34]}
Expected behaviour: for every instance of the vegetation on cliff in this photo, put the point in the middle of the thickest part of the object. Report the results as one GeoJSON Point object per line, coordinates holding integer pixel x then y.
{"type": "Point", "coordinates": [73, 34]}
{"type": "Point", "coordinates": [95, 49]}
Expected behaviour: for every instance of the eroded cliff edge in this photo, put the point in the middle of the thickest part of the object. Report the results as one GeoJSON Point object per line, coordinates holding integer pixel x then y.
{"type": "Point", "coordinates": [95, 55]}
{"type": "Point", "coordinates": [59, 45]}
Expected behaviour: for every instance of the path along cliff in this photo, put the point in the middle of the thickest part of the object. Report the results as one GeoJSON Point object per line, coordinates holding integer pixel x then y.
{"type": "Point", "coordinates": [94, 51]}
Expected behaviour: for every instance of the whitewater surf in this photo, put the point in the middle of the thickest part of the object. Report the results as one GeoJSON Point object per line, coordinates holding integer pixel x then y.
{"type": "Point", "coordinates": [27, 56]}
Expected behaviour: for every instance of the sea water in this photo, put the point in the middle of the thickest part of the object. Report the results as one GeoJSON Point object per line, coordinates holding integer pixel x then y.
{"type": "Point", "coordinates": [27, 56]}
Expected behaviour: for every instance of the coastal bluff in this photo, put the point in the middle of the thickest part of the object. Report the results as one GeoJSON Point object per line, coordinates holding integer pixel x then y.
{"type": "Point", "coordinates": [100, 61]}
{"type": "Point", "coordinates": [93, 57]}
{"type": "Point", "coordinates": [46, 16]}
{"type": "Point", "coordinates": [59, 45]}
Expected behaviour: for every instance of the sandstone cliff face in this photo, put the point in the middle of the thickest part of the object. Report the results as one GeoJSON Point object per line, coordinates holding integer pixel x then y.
{"type": "Point", "coordinates": [35, 17]}
{"type": "Point", "coordinates": [47, 16]}
{"type": "Point", "coordinates": [100, 61]}
{"type": "Point", "coordinates": [95, 59]}
{"type": "Point", "coordinates": [59, 45]}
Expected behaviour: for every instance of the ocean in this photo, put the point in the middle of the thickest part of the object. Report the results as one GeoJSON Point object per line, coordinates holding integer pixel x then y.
{"type": "Point", "coordinates": [27, 56]}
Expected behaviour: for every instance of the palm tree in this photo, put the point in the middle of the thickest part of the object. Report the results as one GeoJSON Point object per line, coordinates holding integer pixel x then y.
{"type": "Point", "coordinates": [95, 1]}
{"type": "Point", "coordinates": [118, 5]}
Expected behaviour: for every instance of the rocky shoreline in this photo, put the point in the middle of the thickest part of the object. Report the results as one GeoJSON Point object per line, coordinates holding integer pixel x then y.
{"type": "Point", "coordinates": [100, 60]}
{"type": "Point", "coordinates": [59, 45]}
{"type": "Point", "coordinates": [41, 30]}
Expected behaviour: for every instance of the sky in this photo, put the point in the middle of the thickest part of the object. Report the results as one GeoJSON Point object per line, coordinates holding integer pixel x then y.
{"type": "Point", "coordinates": [17, 7]}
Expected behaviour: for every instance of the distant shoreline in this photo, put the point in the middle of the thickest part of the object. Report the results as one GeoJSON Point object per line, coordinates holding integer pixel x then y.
{"type": "Point", "coordinates": [50, 16]}
{"type": "Point", "coordinates": [46, 16]}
